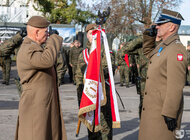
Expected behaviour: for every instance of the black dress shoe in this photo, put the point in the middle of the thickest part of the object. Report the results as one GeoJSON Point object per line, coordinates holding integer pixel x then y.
{"type": "Point", "coordinates": [121, 84]}
{"type": "Point", "coordinates": [3, 82]}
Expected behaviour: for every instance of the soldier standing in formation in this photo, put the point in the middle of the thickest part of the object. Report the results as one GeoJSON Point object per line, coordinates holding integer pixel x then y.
{"type": "Point", "coordinates": [6, 49]}
{"type": "Point", "coordinates": [124, 67]}
{"type": "Point", "coordinates": [134, 47]}
{"type": "Point", "coordinates": [73, 57]}
{"type": "Point", "coordinates": [106, 117]}
{"type": "Point", "coordinates": [166, 75]}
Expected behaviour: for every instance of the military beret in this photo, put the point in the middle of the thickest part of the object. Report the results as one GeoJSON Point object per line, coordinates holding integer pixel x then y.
{"type": "Point", "coordinates": [91, 27]}
{"type": "Point", "coordinates": [38, 22]}
{"type": "Point", "coordinates": [169, 16]}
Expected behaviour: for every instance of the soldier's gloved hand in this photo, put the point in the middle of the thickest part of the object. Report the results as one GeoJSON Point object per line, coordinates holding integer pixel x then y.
{"type": "Point", "coordinates": [23, 32]}
{"type": "Point", "coordinates": [53, 32]}
{"type": "Point", "coordinates": [152, 31]}
{"type": "Point", "coordinates": [171, 123]}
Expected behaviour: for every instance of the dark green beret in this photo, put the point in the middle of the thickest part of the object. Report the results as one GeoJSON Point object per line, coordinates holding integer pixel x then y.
{"type": "Point", "coordinates": [91, 27]}
{"type": "Point", "coordinates": [38, 22]}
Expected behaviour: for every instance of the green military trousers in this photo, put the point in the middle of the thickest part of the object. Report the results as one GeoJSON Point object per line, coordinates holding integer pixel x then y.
{"type": "Point", "coordinates": [6, 68]}
{"type": "Point", "coordinates": [124, 74]}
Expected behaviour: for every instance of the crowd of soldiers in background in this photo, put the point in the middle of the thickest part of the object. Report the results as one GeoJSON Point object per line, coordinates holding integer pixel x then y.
{"type": "Point", "coordinates": [130, 61]}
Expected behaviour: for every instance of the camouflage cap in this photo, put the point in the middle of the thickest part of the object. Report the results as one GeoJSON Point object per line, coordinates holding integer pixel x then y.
{"type": "Point", "coordinates": [169, 16]}
{"type": "Point", "coordinates": [38, 22]}
{"type": "Point", "coordinates": [91, 27]}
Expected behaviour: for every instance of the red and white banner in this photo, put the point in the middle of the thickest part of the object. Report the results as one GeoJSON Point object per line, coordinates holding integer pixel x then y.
{"type": "Point", "coordinates": [113, 98]}
{"type": "Point", "coordinates": [94, 94]}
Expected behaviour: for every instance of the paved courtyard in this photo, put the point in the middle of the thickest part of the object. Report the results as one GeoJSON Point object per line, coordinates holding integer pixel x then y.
{"type": "Point", "coordinates": [9, 100]}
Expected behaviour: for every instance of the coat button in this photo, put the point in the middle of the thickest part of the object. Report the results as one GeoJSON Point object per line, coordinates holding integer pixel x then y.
{"type": "Point", "coordinates": [147, 77]}
{"type": "Point", "coordinates": [143, 108]}
{"type": "Point", "coordinates": [145, 93]}
{"type": "Point", "coordinates": [150, 62]}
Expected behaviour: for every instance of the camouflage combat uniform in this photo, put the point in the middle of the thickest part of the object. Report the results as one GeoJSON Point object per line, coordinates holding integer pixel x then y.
{"type": "Point", "coordinates": [61, 66]}
{"type": "Point", "coordinates": [124, 70]}
{"type": "Point", "coordinates": [67, 52]}
{"type": "Point", "coordinates": [135, 47]}
{"type": "Point", "coordinates": [6, 49]}
{"type": "Point", "coordinates": [106, 118]}
{"type": "Point", "coordinates": [73, 59]}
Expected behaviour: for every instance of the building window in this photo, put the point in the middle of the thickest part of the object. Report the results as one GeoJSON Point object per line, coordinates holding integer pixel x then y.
{"type": "Point", "coordinates": [188, 42]}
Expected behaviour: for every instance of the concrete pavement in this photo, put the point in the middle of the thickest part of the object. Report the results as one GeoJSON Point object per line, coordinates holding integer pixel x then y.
{"type": "Point", "coordinates": [9, 100]}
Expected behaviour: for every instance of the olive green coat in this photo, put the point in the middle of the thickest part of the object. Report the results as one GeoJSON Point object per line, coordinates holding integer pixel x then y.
{"type": "Point", "coordinates": [164, 88]}
{"type": "Point", "coordinates": [40, 116]}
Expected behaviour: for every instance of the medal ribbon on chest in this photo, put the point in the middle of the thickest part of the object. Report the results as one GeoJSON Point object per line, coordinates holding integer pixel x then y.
{"type": "Point", "coordinates": [159, 51]}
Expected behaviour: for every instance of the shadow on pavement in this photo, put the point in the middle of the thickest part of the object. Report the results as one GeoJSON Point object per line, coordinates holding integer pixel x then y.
{"type": "Point", "coordinates": [127, 126]}
{"type": "Point", "coordinates": [70, 117]}
{"type": "Point", "coordinates": [186, 93]}
{"type": "Point", "coordinates": [4, 105]}
{"type": "Point", "coordinates": [84, 138]}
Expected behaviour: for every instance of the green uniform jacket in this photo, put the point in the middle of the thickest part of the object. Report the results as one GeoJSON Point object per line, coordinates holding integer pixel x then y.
{"type": "Point", "coordinates": [74, 54]}
{"type": "Point", "coordinates": [82, 65]}
{"type": "Point", "coordinates": [9, 45]}
{"type": "Point", "coordinates": [164, 88]}
{"type": "Point", "coordinates": [134, 47]}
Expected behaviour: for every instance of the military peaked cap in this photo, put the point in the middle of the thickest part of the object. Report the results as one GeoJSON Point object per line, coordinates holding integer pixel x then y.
{"type": "Point", "coordinates": [38, 22]}
{"type": "Point", "coordinates": [169, 16]}
{"type": "Point", "coordinates": [91, 27]}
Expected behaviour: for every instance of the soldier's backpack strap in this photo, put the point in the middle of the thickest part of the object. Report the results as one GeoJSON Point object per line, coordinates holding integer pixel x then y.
{"type": "Point", "coordinates": [85, 55]}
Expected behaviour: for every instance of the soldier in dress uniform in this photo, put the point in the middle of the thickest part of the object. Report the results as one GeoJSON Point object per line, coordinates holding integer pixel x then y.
{"type": "Point", "coordinates": [163, 96]}
{"type": "Point", "coordinates": [40, 116]}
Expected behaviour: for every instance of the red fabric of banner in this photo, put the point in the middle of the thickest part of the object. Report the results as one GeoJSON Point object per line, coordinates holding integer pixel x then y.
{"type": "Point", "coordinates": [127, 59]}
